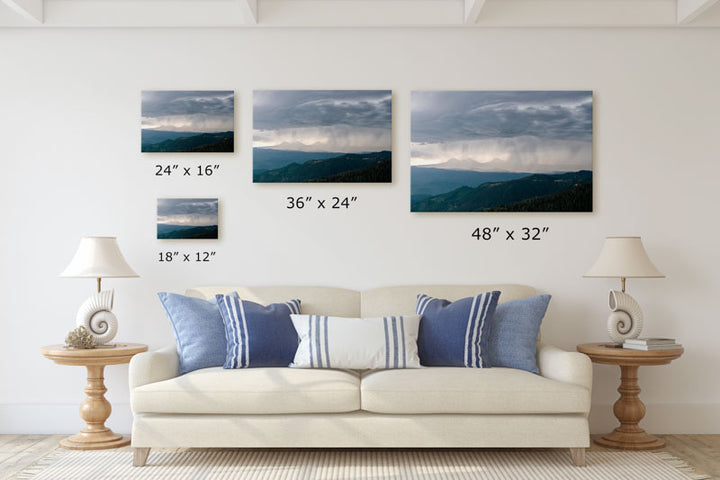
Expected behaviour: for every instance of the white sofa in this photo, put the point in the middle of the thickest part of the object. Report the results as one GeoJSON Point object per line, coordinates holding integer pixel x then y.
{"type": "Point", "coordinates": [434, 407]}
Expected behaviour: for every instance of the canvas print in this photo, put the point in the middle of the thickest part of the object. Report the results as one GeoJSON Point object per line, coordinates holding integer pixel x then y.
{"type": "Point", "coordinates": [187, 218]}
{"type": "Point", "coordinates": [188, 121]}
{"type": "Point", "coordinates": [322, 136]}
{"type": "Point", "coordinates": [502, 151]}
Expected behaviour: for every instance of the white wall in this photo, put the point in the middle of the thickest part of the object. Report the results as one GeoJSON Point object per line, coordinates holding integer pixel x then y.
{"type": "Point", "coordinates": [70, 166]}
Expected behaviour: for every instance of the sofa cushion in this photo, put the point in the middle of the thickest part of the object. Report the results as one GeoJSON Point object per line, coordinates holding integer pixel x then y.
{"type": "Point", "coordinates": [340, 302]}
{"type": "Point", "coordinates": [251, 391]}
{"type": "Point", "coordinates": [402, 300]}
{"type": "Point", "coordinates": [469, 390]}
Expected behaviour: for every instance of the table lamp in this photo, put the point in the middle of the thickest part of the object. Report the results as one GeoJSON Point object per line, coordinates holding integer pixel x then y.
{"type": "Point", "coordinates": [98, 257]}
{"type": "Point", "coordinates": [623, 257]}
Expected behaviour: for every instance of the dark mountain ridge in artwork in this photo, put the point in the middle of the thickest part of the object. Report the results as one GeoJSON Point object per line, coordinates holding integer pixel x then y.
{"type": "Point", "coordinates": [536, 192]}
{"type": "Point", "coordinates": [349, 167]}
{"type": "Point", "coordinates": [165, 231]}
{"type": "Point", "coordinates": [150, 136]}
{"type": "Point", "coordinates": [577, 198]}
{"type": "Point", "coordinates": [192, 142]}
{"type": "Point", "coordinates": [430, 181]}
{"type": "Point", "coordinates": [271, 159]}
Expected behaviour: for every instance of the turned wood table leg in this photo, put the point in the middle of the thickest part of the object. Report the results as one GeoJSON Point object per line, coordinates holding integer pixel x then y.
{"type": "Point", "coordinates": [629, 410]}
{"type": "Point", "coordinates": [95, 409]}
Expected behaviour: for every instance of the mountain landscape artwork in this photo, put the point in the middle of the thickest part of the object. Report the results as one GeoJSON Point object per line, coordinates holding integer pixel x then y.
{"type": "Point", "coordinates": [322, 136]}
{"type": "Point", "coordinates": [502, 151]}
{"type": "Point", "coordinates": [188, 121]}
{"type": "Point", "coordinates": [187, 218]}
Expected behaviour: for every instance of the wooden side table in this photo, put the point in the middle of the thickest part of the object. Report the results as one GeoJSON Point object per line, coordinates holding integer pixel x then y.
{"type": "Point", "coordinates": [95, 409]}
{"type": "Point", "coordinates": [629, 410]}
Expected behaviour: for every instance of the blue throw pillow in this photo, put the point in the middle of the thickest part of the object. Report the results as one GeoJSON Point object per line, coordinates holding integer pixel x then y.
{"type": "Point", "coordinates": [514, 332]}
{"type": "Point", "coordinates": [455, 334]}
{"type": "Point", "coordinates": [258, 336]}
{"type": "Point", "coordinates": [199, 331]}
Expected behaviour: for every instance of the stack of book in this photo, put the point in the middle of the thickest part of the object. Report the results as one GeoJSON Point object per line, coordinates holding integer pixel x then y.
{"type": "Point", "coordinates": [651, 344]}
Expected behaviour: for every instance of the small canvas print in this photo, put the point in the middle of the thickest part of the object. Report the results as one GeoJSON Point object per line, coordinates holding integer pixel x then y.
{"type": "Point", "coordinates": [188, 121]}
{"type": "Point", "coordinates": [322, 136]}
{"type": "Point", "coordinates": [502, 151]}
{"type": "Point", "coordinates": [187, 218]}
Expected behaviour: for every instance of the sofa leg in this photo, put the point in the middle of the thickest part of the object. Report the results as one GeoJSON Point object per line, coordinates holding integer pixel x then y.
{"type": "Point", "coordinates": [578, 456]}
{"type": "Point", "coordinates": [140, 456]}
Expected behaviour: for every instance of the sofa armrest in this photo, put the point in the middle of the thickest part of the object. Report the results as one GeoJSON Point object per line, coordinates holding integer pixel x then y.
{"type": "Point", "coordinates": [151, 367]}
{"type": "Point", "coordinates": [569, 367]}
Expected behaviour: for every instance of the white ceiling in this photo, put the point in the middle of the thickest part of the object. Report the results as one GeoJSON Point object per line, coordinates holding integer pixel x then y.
{"type": "Point", "coordinates": [359, 13]}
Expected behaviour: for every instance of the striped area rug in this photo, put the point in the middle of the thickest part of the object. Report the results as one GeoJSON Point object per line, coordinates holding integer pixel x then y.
{"type": "Point", "coordinates": [357, 464]}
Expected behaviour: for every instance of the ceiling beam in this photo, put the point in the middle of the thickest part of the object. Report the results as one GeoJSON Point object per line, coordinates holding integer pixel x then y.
{"type": "Point", "coordinates": [689, 10]}
{"type": "Point", "coordinates": [30, 9]}
{"type": "Point", "coordinates": [148, 13]}
{"type": "Point", "coordinates": [359, 13]}
{"type": "Point", "coordinates": [250, 10]}
{"type": "Point", "coordinates": [472, 10]}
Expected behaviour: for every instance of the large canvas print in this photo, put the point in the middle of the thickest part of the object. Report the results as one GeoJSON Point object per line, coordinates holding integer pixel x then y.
{"type": "Point", "coordinates": [502, 151]}
{"type": "Point", "coordinates": [188, 121]}
{"type": "Point", "coordinates": [322, 136]}
{"type": "Point", "coordinates": [187, 218]}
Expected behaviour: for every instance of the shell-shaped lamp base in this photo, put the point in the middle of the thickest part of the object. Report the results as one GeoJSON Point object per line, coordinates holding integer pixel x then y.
{"type": "Point", "coordinates": [626, 319]}
{"type": "Point", "coordinates": [96, 315]}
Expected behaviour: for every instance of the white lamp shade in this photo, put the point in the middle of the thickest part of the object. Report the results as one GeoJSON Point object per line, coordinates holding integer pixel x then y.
{"type": "Point", "coordinates": [623, 257]}
{"type": "Point", "coordinates": [98, 257]}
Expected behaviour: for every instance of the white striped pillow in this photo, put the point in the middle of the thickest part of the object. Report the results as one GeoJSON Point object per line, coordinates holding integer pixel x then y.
{"type": "Point", "coordinates": [356, 343]}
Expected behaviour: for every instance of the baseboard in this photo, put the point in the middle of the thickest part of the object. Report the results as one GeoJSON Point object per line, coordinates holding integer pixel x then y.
{"type": "Point", "coordinates": [669, 418]}
{"type": "Point", "coordinates": [38, 418]}
{"type": "Point", "coordinates": [64, 418]}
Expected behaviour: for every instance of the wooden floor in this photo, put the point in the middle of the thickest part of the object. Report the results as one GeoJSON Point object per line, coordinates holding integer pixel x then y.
{"type": "Point", "coordinates": [20, 451]}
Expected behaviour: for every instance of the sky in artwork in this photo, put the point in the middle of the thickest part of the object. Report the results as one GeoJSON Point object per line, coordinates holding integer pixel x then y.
{"type": "Point", "coordinates": [187, 211]}
{"type": "Point", "coordinates": [188, 111]}
{"type": "Point", "coordinates": [346, 121]}
{"type": "Point", "coordinates": [515, 131]}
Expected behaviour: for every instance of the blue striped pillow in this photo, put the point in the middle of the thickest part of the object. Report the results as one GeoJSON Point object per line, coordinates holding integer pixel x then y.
{"type": "Point", "coordinates": [257, 335]}
{"type": "Point", "coordinates": [356, 343]}
{"type": "Point", "coordinates": [454, 334]}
